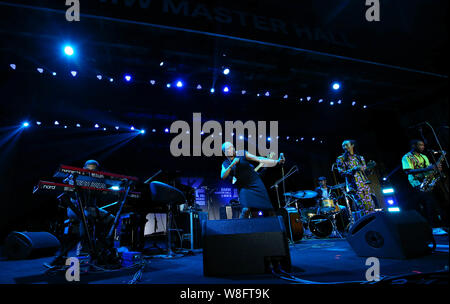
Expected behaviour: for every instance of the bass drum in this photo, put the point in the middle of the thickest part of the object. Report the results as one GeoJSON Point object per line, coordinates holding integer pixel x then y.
{"type": "Point", "coordinates": [320, 226]}
{"type": "Point", "coordinates": [293, 223]}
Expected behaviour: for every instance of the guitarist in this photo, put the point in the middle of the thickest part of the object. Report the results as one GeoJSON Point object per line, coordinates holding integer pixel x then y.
{"type": "Point", "coordinates": [251, 189]}
{"type": "Point", "coordinates": [417, 167]}
{"type": "Point", "coordinates": [353, 168]}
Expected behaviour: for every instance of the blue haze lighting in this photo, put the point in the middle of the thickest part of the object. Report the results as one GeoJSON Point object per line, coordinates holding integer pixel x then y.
{"type": "Point", "coordinates": [336, 86]}
{"type": "Point", "coordinates": [68, 50]}
{"type": "Point", "coordinates": [117, 127]}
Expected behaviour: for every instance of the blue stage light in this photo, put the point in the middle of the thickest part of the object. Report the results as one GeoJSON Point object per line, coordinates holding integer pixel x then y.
{"type": "Point", "coordinates": [179, 84]}
{"type": "Point", "coordinates": [267, 94]}
{"type": "Point", "coordinates": [142, 131]}
{"type": "Point", "coordinates": [320, 100]}
{"type": "Point", "coordinates": [38, 123]}
{"type": "Point", "coordinates": [285, 96]}
{"type": "Point", "coordinates": [40, 70]}
{"type": "Point", "coordinates": [115, 188]}
{"type": "Point", "coordinates": [353, 103]}
{"type": "Point", "coordinates": [153, 130]}
{"type": "Point", "coordinates": [199, 87]}
{"type": "Point", "coordinates": [54, 73]}
{"type": "Point", "coordinates": [132, 128]}
{"type": "Point", "coordinates": [226, 89]}
{"type": "Point", "coordinates": [394, 209]}
{"type": "Point", "coordinates": [127, 77]}
{"type": "Point", "coordinates": [152, 82]}
{"type": "Point", "coordinates": [336, 86]}
{"type": "Point", "coordinates": [269, 139]}
{"type": "Point", "coordinates": [56, 123]}
{"type": "Point", "coordinates": [13, 66]}
{"type": "Point", "coordinates": [68, 50]}
{"type": "Point", "coordinates": [78, 125]}
{"type": "Point", "coordinates": [260, 213]}
{"type": "Point", "coordinates": [166, 130]}
{"type": "Point", "coordinates": [111, 79]}
{"type": "Point", "coordinates": [25, 124]}
{"type": "Point", "coordinates": [331, 103]}
{"type": "Point", "coordinates": [226, 71]}
{"type": "Point", "coordinates": [161, 63]}
{"type": "Point", "coordinates": [96, 126]}
{"type": "Point", "coordinates": [99, 77]}
{"type": "Point", "coordinates": [74, 73]}
{"type": "Point", "coordinates": [212, 90]}
{"type": "Point", "coordinates": [168, 85]}
{"type": "Point", "coordinates": [388, 190]}
{"type": "Point", "coordinates": [117, 127]}
{"type": "Point", "coordinates": [390, 201]}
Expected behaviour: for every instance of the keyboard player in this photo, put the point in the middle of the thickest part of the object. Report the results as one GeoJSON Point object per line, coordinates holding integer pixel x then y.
{"type": "Point", "coordinates": [102, 219]}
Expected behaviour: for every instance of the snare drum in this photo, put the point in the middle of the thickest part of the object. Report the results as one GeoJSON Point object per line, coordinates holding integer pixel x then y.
{"type": "Point", "coordinates": [328, 206]}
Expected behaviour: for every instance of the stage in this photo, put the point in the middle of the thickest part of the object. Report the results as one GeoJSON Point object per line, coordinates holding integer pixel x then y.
{"type": "Point", "coordinates": [318, 260]}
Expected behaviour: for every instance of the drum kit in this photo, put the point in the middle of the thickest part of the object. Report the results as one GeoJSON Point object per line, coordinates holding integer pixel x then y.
{"type": "Point", "coordinates": [326, 219]}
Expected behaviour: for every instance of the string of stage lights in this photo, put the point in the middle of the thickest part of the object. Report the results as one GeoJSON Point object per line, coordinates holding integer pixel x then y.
{"type": "Point", "coordinates": [69, 51]}
{"type": "Point", "coordinates": [137, 131]}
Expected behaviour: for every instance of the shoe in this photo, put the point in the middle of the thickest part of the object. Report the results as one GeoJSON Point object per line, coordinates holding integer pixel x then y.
{"type": "Point", "coordinates": [439, 231]}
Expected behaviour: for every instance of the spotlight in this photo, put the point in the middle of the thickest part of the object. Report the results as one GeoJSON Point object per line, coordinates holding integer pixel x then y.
{"type": "Point", "coordinates": [243, 92]}
{"type": "Point", "coordinates": [153, 130]}
{"type": "Point", "coordinates": [13, 66]}
{"type": "Point", "coordinates": [287, 137]}
{"type": "Point", "coordinates": [313, 139]}
{"type": "Point", "coordinates": [226, 89]}
{"type": "Point", "coordinates": [241, 137]}
{"type": "Point", "coordinates": [212, 90]}
{"type": "Point", "coordinates": [38, 123]}
{"type": "Point", "coordinates": [40, 70]}
{"type": "Point", "coordinates": [104, 129]}
{"type": "Point", "coordinates": [353, 103]}
{"type": "Point", "coordinates": [115, 188]}
{"type": "Point", "coordinates": [132, 128]}
{"type": "Point", "coordinates": [99, 77]}
{"type": "Point", "coordinates": [54, 73]}
{"type": "Point", "coordinates": [117, 128]}
{"type": "Point", "coordinates": [25, 124]}
{"type": "Point", "coordinates": [152, 82]}
{"type": "Point", "coordinates": [269, 139]}
{"type": "Point", "coordinates": [166, 130]}
{"type": "Point", "coordinates": [142, 131]}
{"type": "Point", "coordinates": [301, 99]}
{"type": "Point", "coordinates": [199, 87]}
{"type": "Point", "coordinates": [384, 178]}
{"type": "Point", "coordinates": [96, 126]}
{"type": "Point", "coordinates": [161, 63]}
{"type": "Point", "coordinates": [111, 80]}
{"type": "Point", "coordinates": [394, 209]}
{"type": "Point", "coordinates": [68, 50]}
{"type": "Point", "coordinates": [302, 138]}
{"type": "Point", "coordinates": [168, 85]}
{"type": "Point", "coordinates": [226, 71]}
{"type": "Point", "coordinates": [365, 107]}
{"type": "Point", "coordinates": [285, 96]}
{"type": "Point", "coordinates": [390, 201]}
{"type": "Point", "coordinates": [339, 101]}
{"type": "Point", "coordinates": [336, 86]}
{"type": "Point", "coordinates": [308, 98]}
{"type": "Point", "coordinates": [331, 103]}
{"type": "Point", "coordinates": [74, 73]}
{"type": "Point", "coordinates": [56, 123]}
{"type": "Point", "coordinates": [127, 77]}
{"type": "Point", "coordinates": [267, 94]}
{"type": "Point", "coordinates": [388, 190]}
{"type": "Point", "coordinates": [65, 127]}
{"type": "Point", "coordinates": [258, 95]}
{"type": "Point", "coordinates": [320, 100]}
{"type": "Point", "coordinates": [78, 125]}
{"type": "Point", "coordinates": [179, 84]}
{"type": "Point", "coordinates": [260, 213]}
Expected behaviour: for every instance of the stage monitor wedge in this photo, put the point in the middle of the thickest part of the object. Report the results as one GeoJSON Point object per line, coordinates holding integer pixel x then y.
{"type": "Point", "coordinates": [244, 246]}
{"type": "Point", "coordinates": [395, 235]}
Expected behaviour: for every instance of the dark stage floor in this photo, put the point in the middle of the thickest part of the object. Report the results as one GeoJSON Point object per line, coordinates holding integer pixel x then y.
{"type": "Point", "coordinates": [320, 260]}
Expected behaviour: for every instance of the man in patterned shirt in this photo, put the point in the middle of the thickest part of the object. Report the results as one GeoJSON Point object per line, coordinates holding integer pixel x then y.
{"type": "Point", "coordinates": [352, 167]}
{"type": "Point", "coordinates": [417, 166]}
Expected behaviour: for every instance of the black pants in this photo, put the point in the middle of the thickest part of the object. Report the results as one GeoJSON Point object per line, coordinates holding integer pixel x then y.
{"type": "Point", "coordinates": [426, 204]}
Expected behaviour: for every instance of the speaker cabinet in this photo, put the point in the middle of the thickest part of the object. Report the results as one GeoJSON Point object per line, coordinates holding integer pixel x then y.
{"type": "Point", "coordinates": [244, 246]}
{"type": "Point", "coordinates": [395, 235]}
{"type": "Point", "coordinates": [23, 245]}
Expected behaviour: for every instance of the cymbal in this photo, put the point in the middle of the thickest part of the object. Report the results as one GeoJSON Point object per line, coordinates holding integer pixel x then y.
{"type": "Point", "coordinates": [338, 186]}
{"type": "Point", "coordinates": [302, 194]}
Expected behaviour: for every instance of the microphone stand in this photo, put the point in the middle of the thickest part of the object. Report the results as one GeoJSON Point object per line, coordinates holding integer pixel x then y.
{"type": "Point", "coordinates": [275, 185]}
